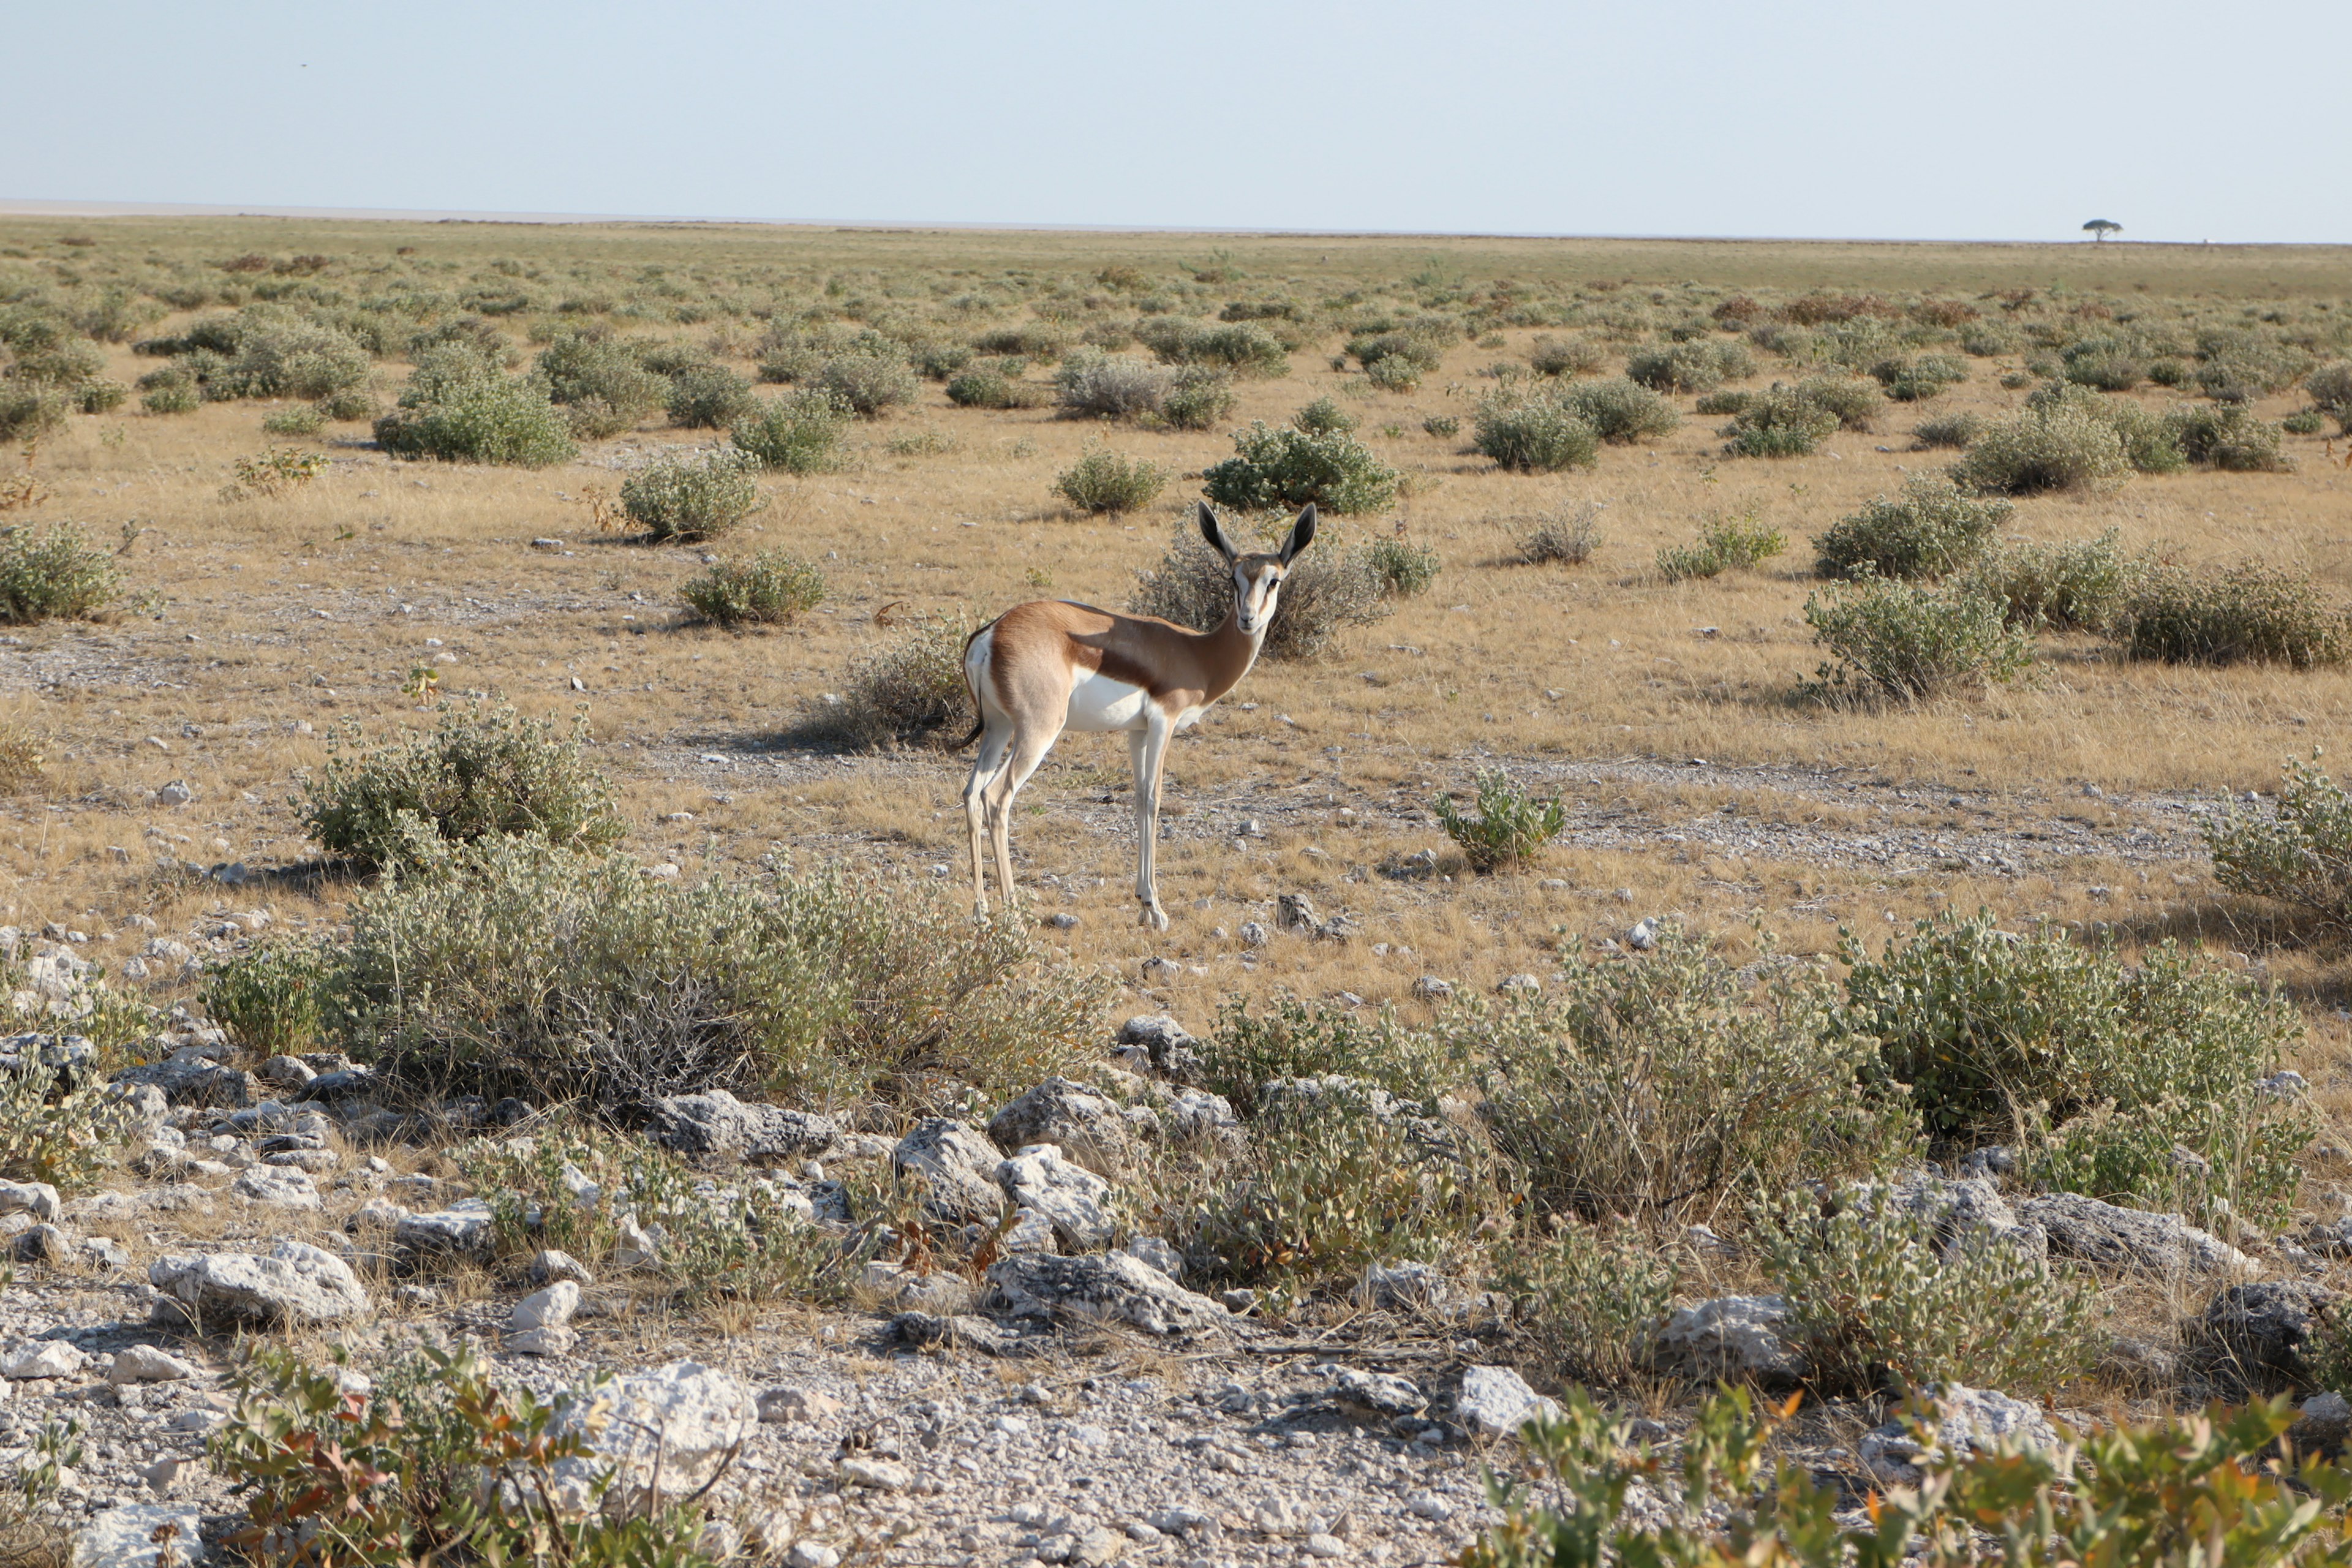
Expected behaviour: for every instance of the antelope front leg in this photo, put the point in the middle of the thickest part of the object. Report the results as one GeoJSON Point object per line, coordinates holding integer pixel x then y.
{"type": "Point", "coordinates": [1146, 749]}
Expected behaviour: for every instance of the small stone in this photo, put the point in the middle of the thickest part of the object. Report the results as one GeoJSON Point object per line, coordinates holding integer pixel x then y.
{"type": "Point", "coordinates": [882, 1475]}
{"type": "Point", "coordinates": [1380, 1393]}
{"type": "Point", "coordinates": [1642, 937]}
{"type": "Point", "coordinates": [136, 1535]}
{"type": "Point", "coordinates": [35, 1198]}
{"type": "Point", "coordinates": [1495, 1401]}
{"type": "Point", "coordinates": [1429, 988]}
{"type": "Point", "coordinates": [634, 1246]}
{"type": "Point", "coordinates": [42, 1358]}
{"type": "Point", "coordinates": [175, 793]}
{"type": "Point", "coordinates": [785, 1404]}
{"type": "Point", "coordinates": [550, 1266]}
{"type": "Point", "coordinates": [550, 1308]}
{"type": "Point", "coordinates": [146, 1363]}
{"type": "Point", "coordinates": [1429, 1506]}
{"type": "Point", "coordinates": [553, 1341]}
{"type": "Point", "coordinates": [1510, 982]}
{"type": "Point", "coordinates": [273, 1186]}
{"type": "Point", "coordinates": [50, 1244]}
{"type": "Point", "coordinates": [1253, 934]}
{"type": "Point", "coordinates": [163, 1472]}
{"type": "Point", "coordinates": [1320, 1545]}
{"type": "Point", "coordinates": [812, 1554]}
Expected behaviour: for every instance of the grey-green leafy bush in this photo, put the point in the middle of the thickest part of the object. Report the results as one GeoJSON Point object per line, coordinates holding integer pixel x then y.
{"type": "Point", "coordinates": [1289, 1038]}
{"type": "Point", "coordinates": [2244, 613]}
{"type": "Point", "coordinates": [1589, 1300]}
{"type": "Point", "coordinates": [1619, 411]}
{"type": "Point", "coordinates": [993, 387]}
{"type": "Point", "coordinates": [1908, 642]}
{"type": "Point", "coordinates": [485, 772]}
{"type": "Point", "coordinates": [1778, 423]}
{"type": "Point", "coordinates": [1243, 348]}
{"type": "Point", "coordinates": [1422, 347]}
{"type": "Point", "coordinates": [2299, 855]}
{"type": "Point", "coordinates": [302, 419]}
{"type": "Point", "coordinates": [1567, 356]}
{"type": "Point", "coordinates": [2105, 1067]}
{"type": "Point", "coordinates": [52, 1128]}
{"type": "Point", "coordinates": [1533, 432]}
{"type": "Point", "coordinates": [1405, 569]}
{"type": "Point", "coordinates": [510, 967]}
{"type": "Point", "coordinates": [910, 693]}
{"type": "Point", "coordinates": [269, 350]}
{"type": "Point", "coordinates": [271, 1000]}
{"type": "Point", "coordinates": [28, 412]}
{"type": "Point", "coordinates": [1395, 373]}
{"type": "Point", "coordinates": [1104, 483]}
{"type": "Point", "coordinates": [1278, 467]}
{"type": "Point", "coordinates": [1199, 399]}
{"type": "Point", "coordinates": [1513, 826]}
{"type": "Point", "coordinates": [1111, 386]}
{"type": "Point", "coordinates": [1324, 416]}
{"type": "Point", "coordinates": [1444, 426]}
{"type": "Point", "coordinates": [772, 588]}
{"type": "Point", "coordinates": [2059, 448]}
{"type": "Point", "coordinates": [460, 407]}
{"type": "Point", "coordinates": [352, 403]}
{"type": "Point", "coordinates": [1853, 399]}
{"type": "Point", "coordinates": [1930, 530]}
{"type": "Point", "coordinates": [708, 397]}
{"type": "Point", "coordinates": [2304, 422]}
{"type": "Point", "coordinates": [2074, 585]}
{"type": "Point", "coordinates": [1722, 543]}
{"type": "Point", "coordinates": [799, 433]}
{"type": "Point", "coordinates": [1913, 378]}
{"type": "Point", "coordinates": [1568, 533]}
{"type": "Point", "coordinates": [869, 385]}
{"type": "Point", "coordinates": [55, 573]}
{"type": "Point", "coordinates": [603, 386]}
{"type": "Point", "coordinates": [1875, 1305]}
{"type": "Point", "coordinates": [2229, 437]}
{"type": "Point", "coordinates": [1716, 404]}
{"type": "Point", "coordinates": [1673, 1086]}
{"type": "Point", "coordinates": [2151, 441]}
{"type": "Point", "coordinates": [1694, 366]}
{"type": "Point", "coordinates": [692, 496]}
{"type": "Point", "coordinates": [1328, 589]}
{"type": "Point", "coordinates": [1954, 430]}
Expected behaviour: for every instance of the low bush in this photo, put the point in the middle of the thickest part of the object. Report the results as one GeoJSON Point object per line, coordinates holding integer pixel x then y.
{"type": "Point", "coordinates": [1930, 530]}
{"type": "Point", "coordinates": [1590, 1301]}
{"type": "Point", "coordinates": [1395, 373]}
{"type": "Point", "coordinates": [272, 1000]}
{"type": "Point", "coordinates": [1513, 826]}
{"type": "Point", "coordinates": [1853, 399]}
{"type": "Point", "coordinates": [2299, 855]}
{"type": "Point", "coordinates": [1914, 378]}
{"type": "Point", "coordinates": [1568, 357]}
{"type": "Point", "coordinates": [302, 419]}
{"type": "Point", "coordinates": [1876, 1308]}
{"type": "Point", "coordinates": [991, 386]}
{"type": "Point", "coordinates": [20, 757]}
{"type": "Point", "coordinates": [1029, 339]}
{"type": "Point", "coordinates": [1778, 423]}
{"type": "Point", "coordinates": [1694, 366]}
{"type": "Point", "coordinates": [2229, 437]}
{"type": "Point", "coordinates": [2246, 614]}
{"type": "Point", "coordinates": [486, 772]}
{"type": "Point", "coordinates": [1619, 411]}
{"type": "Point", "coordinates": [171, 396]}
{"type": "Point", "coordinates": [54, 1129]}
{"type": "Point", "coordinates": [2304, 422]}
{"type": "Point", "coordinates": [1111, 386]}
{"type": "Point", "coordinates": [692, 496]}
{"type": "Point", "coordinates": [460, 408]}
{"type": "Point", "coordinates": [1716, 404]}
{"type": "Point", "coordinates": [2330, 390]}
{"type": "Point", "coordinates": [1533, 433]}
{"type": "Point", "coordinates": [1423, 350]}
{"type": "Point", "coordinates": [53, 574]}
{"type": "Point", "coordinates": [799, 433]}
{"type": "Point", "coordinates": [27, 412]}
{"type": "Point", "coordinates": [104, 397]}
{"type": "Point", "coordinates": [513, 967]}
{"type": "Point", "coordinates": [1568, 533]}
{"type": "Point", "coordinates": [351, 403]}
{"type": "Point", "coordinates": [869, 385]}
{"type": "Point", "coordinates": [1328, 590]}
{"type": "Point", "coordinates": [1671, 1087]}
{"type": "Point", "coordinates": [1722, 544]}
{"type": "Point", "coordinates": [601, 383]}
{"type": "Point", "coordinates": [1954, 430]}
{"type": "Point", "coordinates": [1444, 426]}
{"type": "Point", "coordinates": [1406, 570]}
{"type": "Point", "coordinates": [1200, 399]}
{"type": "Point", "coordinates": [911, 693]}
{"type": "Point", "coordinates": [1290, 1039]}
{"type": "Point", "coordinates": [269, 350]}
{"type": "Point", "coordinates": [1898, 639]}
{"type": "Point", "coordinates": [1103, 482]}
{"type": "Point", "coordinates": [2078, 585]}
{"type": "Point", "coordinates": [1325, 418]}
{"type": "Point", "coordinates": [1281, 468]}
{"type": "Point", "coordinates": [2059, 448]}
{"type": "Point", "coordinates": [1243, 348]}
{"type": "Point", "coordinates": [708, 397]}
{"type": "Point", "coordinates": [772, 588]}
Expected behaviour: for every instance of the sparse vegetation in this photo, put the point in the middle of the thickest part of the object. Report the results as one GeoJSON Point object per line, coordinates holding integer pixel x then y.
{"type": "Point", "coordinates": [1901, 640]}
{"type": "Point", "coordinates": [1778, 423]}
{"type": "Point", "coordinates": [1724, 543]}
{"type": "Point", "coordinates": [461, 408]}
{"type": "Point", "coordinates": [1103, 481]}
{"type": "Point", "coordinates": [1930, 530]}
{"type": "Point", "coordinates": [1405, 569]}
{"type": "Point", "coordinates": [772, 588]}
{"type": "Point", "coordinates": [1512, 827]}
{"type": "Point", "coordinates": [53, 573]}
{"type": "Point", "coordinates": [692, 496]}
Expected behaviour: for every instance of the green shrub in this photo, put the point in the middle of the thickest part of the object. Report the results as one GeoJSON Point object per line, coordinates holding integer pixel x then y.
{"type": "Point", "coordinates": [1423, 350]}
{"type": "Point", "coordinates": [302, 419]}
{"type": "Point", "coordinates": [1778, 423]}
{"type": "Point", "coordinates": [27, 412]}
{"type": "Point", "coordinates": [510, 967]}
{"type": "Point", "coordinates": [458, 409]}
{"type": "Point", "coordinates": [770, 589]}
{"type": "Point", "coordinates": [1243, 348]}
{"type": "Point", "coordinates": [1444, 426]}
{"type": "Point", "coordinates": [1724, 543]}
{"type": "Point", "coordinates": [104, 397]}
{"type": "Point", "coordinates": [2241, 364]}
{"type": "Point", "coordinates": [1876, 1308]}
{"type": "Point", "coordinates": [1568, 533]}
{"type": "Point", "coordinates": [1901, 641]}
{"type": "Point", "coordinates": [1932, 529]}
{"type": "Point", "coordinates": [799, 433]}
{"type": "Point", "coordinates": [1853, 399]}
{"type": "Point", "coordinates": [2057, 450]}
{"type": "Point", "coordinates": [1533, 433]}
{"type": "Point", "coordinates": [352, 403]}
{"type": "Point", "coordinates": [1619, 411]}
{"type": "Point", "coordinates": [1200, 399]}
{"type": "Point", "coordinates": [2246, 614]}
{"type": "Point", "coordinates": [2229, 437]}
{"type": "Point", "coordinates": [1954, 430]}
{"type": "Point", "coordinates": [692, 496]}
{"type": "Point", "coordinates": [1328, 590]}
{"type": "Point", "coordinates": [868, 386]}
{"type": "Point", "coordinates": [1719, 403]}
{"type": "Point", "coordinates": [1030, 340]}
{"type": "Point", "coordinates": [2304, 422]}
{"type": "Point", "coordinates": [1695, 366]}
{"type": "Point", "coordinates": [272, 1000]}
{"type": "Point", "coordinates": [1102, 482]}
{"type": "Point", "coordinates": [708, 397]}
{"type": "Point", "coordinates": [1111, 386]}
{"type": "Point", "coordinates": [1325, 418]}
{"type": "Point", "coordinates": [1406, 570]}
{"type": "Point", "coordinates": [989, 387]}
{"type": "Point", "coordinates": [1590, 1302]}
{"type": "Point", "coordinates": [601, 383]}
{"type": "Point", "coordinates": [2330, 388]}
{"type": "Point", "coordinates": [485, 772]}
{"type": "Point", "coordinates": [1567, 356]}
{"type": "Point", "coordinates": [1395, 373]}
{"type": "Point", "coordinates": [1913, 378]}
{"type": "Point", "coordinates": [2077, 584]}
{"type": "Point", "coordinates": [1512, 828]}
{"type": "Point", "coordinates": [1277, 467]}
{"type": "Point", "coordinates": [911, 693]}
{"type": "Point", "coordinates": [266, 351]}
{"type": "Point", "coordinates": [163, 397]}
{"type": "Point", "coordinates": [2301, 855]}
{"type": "Point", "coordinates": [55, 574]}
{"type": "Point", "coordinates": [940, 361]}
{"type": "Point", "coordinates": [52, 1130]}
{"type": "Point", "coordinates": [1666, 1087]}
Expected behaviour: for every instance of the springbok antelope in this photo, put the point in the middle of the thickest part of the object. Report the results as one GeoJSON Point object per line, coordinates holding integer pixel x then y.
{"type": "Point", "coordinates": [1043, 668]}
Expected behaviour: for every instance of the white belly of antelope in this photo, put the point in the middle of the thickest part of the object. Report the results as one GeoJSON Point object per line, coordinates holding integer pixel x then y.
{"type": "Point", "coordinates": [1099, 703]}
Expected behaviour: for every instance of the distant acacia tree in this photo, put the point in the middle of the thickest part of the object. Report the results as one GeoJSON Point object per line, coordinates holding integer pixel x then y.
{"type": "Point", "coordinates": [2099, 228]}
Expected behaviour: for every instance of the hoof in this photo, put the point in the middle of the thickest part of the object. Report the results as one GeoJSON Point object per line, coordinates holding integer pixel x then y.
{"type": "Point", "coordinates": [1153, 916]}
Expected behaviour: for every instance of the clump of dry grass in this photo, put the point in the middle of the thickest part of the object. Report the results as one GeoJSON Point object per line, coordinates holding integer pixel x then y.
{"type": "Point", "coordinates": [20, 757]}
{"type": "Point", "coordinates": [911, 693]}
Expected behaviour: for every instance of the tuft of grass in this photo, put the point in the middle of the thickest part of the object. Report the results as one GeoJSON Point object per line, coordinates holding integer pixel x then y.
{"type": "Point", "coordinates": [1901, 641]}
{"type": "Point", "coordinates": [692, 496]}
{"type": "Point", "coordinates": [772, 588]}
{"type": "Point", "coordinates": [1513, 824]}
{"type": "Point", "coordinates": [21, 757]}
{"type": "Point", "coordinates": [1568, 533]}
{"type": "Point", "coordinates": [2245, 614]}
{"type": "Point", "coordinates": [1105, 483]}
{"type": "Point", "coordinates": [56, 573]}
{"type": "Point", "coordinates": [1724, 542]}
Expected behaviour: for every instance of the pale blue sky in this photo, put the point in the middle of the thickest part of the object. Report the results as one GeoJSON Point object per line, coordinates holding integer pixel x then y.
{"type": "Point", "coordinates": [2009, 118]}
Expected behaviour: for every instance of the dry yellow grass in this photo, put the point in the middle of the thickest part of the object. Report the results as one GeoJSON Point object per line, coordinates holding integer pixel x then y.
{"type": "Point", "coordinates": [274, 620]}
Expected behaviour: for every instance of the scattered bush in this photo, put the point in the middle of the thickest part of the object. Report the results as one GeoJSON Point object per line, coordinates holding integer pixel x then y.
{"type": "Point", "coordinates": [55, 574]}
{"type": "Point", "coordinates": [1913, 378]}
{"type": "Point", "coordinates": [485, 772]}
{"type": "Point", "coordinates": [302, 419]}
{"type": "Point", "coordinates": [1898, 639]}
{"type": "Point", "coordinates": [27, 412]}
{"type": "Point", "coordinates": [1954, 430]}
{"type": "Point", "coordinates": [20, 757]}
{"type": "Point", "coordinates": [1444, 426]}
{"type": "Point", "coordinates": [1326, 590]}
{"type": "Point", "coordinates": [1591, 1302]}
{"type": "Point", "coordinates": [1855, 400]}
{"type": "Point", "coordinates": [1422, 350]}
{"type": "Point", "coordinates": [2055, 450]}
{"type": "Point", "coordinates": [799, 433]}
{"type": "Point", "coordinates": [1200, 399]}
{"type": "Point", "coordinates": [1102, 482]}
{"type": "Point", "coordinates": [1029, 339]}
{"type": "Point", "coordinates": [352, 403]}
{"type": "Point", "coordinates": [460, 408]}
{"type": "Point", "coordinates": [868, 386]}
{"type": "Point", "coordinates": [1325, 418]}
{"type": "Point", "coordinates": [992, 386]}
{"type": "Point", "coordinates": [1931, 529]}
{"type": "Point", "coordinates": [267, 351]}
{"type": "Point", "coordinates": [2330, 390]}
{"type": "Point", "coordinates": [1112, 386]}
{"type": "Point", "coordinates": [692, 496]}
{"type": "Point", "coordinates": [1279, 468]}
{"type": "Point", "coordinates": [601, 384]}
{"type": "Point", "coordinates": [1619, 411]}
{"type": "Point", "coordinates": [1405, 569]}
{"type": "Point", "coordinates": [1722, 544]}
{"type": "Point", "coordinates": [708, 397]}
{"type": "Point", "coordinates": [770, 589]}
{"type": "Point", "coordinates": [2246, 614]}
{"type": "Point", "coordinates": [272, 1000]}
{"type": "Point", "coordinates": [1512, 827]}
{"type": "Point", "coordinates": [52, 1128]}
{"type": "Point", "coordinates": [104, 397]}
{"type": "Point", "coordinates": [2229, 437]}
{"type": "Point", "coordinates": [2304, 422]}
{"type": "Point", "coordinates": [1694, 366]}
{"type": "Point", "coordinates": [1567, 357]}
{"type": "Point", "coordinates": [1533, 433]}
{"type": "Point", "coordinates": [2301, 855]}
{"type": "Point", "coordinates": [1243, 348]}
{"type": "Point", "coordinates": [912, 693]}
{"type": "Point", "coordinates": [1568, 533]}
{"type": "Point", "coordinates": [1718, 404]}
{"type": "Point", "coordinates": [1778, 423]}
{"type": "Point", "coordinates": [1291, 1039]}
{"type": "Point", "coordinates": [2081, 584]}
{"type": "Point", "coordinates": [1876, 1308]}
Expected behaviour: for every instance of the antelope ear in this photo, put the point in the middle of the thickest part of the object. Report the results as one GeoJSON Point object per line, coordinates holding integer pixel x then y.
{"type": "Point", "coordinates": [1302, 534]}
{"type": "Point", "coordinates": [1214, 532]}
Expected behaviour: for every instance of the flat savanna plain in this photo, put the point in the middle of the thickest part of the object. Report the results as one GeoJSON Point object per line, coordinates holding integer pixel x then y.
{"type": "Point", "coordinates": [1700, 781]}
